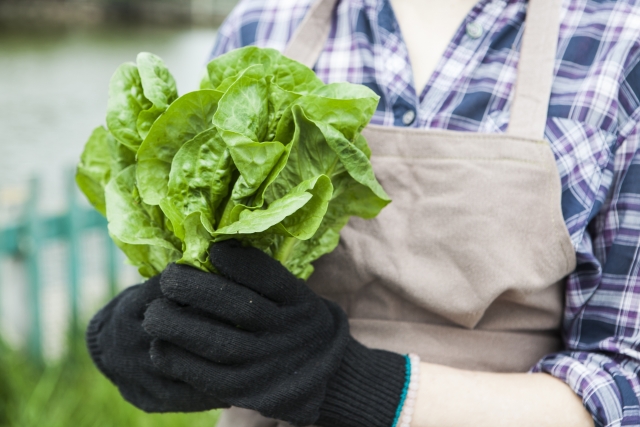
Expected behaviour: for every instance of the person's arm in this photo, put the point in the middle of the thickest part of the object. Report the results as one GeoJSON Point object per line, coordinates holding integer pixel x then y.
{"type": "Point", "coordinates": [451, 397]}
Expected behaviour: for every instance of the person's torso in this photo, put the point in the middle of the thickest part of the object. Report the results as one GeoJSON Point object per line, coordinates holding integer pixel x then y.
{"type": "Point", "coordinates": [466, 265]}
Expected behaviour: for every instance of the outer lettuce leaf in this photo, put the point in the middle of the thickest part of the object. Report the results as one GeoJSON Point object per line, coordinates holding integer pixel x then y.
{"type": "Point", "coordinates": [297, 214]}
{"type": "Point", "coordinates": [158, 86]}
{"type": "Point", "coordinates": [254, 161]}
{"type": "Point", "coordinates": [121, 156]}
{"type": "Point", "coordinates": [196, 243]}
{"type": "Point", "coordinates": [130, 219]}
{"type": "Point", "coordinates": [185, 118]}
{"type": "Point", "coordinates": [287, 73]}
{"type": "Point", "coordinates": [340, 120]}
{"type": "Point", "coordinates": [94, 170]}
{"type": "Point", "coordinates": [198, 183]}
{"type": "Point", "coordinates": [354, 161]}
{"type": "Point", "coordinates": [244, 109]}
{"type": "Point", "coordinates": [141, 229]}
{"type": "Point", "coordinates": [345, 106]}
{"type": "Point", "coordinates": [318, 148]}
{"type": "Point", "coordinates": [126, 101]}
{"type": "Point", "coordinates": [350, 198]}
{"type": "Point", "coordinates": [312, 153]}
{"type": "Point", "coordinates": [146, 119]}
{"type": "Point", "coordinates": [149, 259]}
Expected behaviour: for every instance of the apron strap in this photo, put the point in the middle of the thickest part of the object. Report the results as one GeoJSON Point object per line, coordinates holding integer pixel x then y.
{"type": "Point", "coordinates": [536, 66]}
{"type": "Point", "coordinates": [311, 35]}
{"type": "Point", "coordinates": [536, 69]}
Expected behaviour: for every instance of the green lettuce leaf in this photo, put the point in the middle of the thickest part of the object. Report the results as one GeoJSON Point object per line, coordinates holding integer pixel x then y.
{"type": "Point", "coordinates": [198, 183]}
{"type": "Point", "coordinates": [244, 109]}
{"type": "Point", "coordinates": [185, 118]}
{"type": "Point", "coordinates": [94, 170]}
{"type": "Point", "coordinates": [297, 214]}
{"type": "Point", "coordinates": [311, 154]}
{"type": "Point", "coordinates": [139, 226]}
{"type": "Point", "coordinates": [255, 161]}
{"type": "Point", "coordinates": [149, 259]}
{"type": "Point", "coordinates": [158, 86]}
{"type": "Point", "coordinates": [287, 73]}
{"type": "Point", "coordinates": [126, 101]}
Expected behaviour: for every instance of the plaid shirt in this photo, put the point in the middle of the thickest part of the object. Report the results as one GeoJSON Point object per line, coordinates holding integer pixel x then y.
{"type": "Point", "coordinates": [592, 127]}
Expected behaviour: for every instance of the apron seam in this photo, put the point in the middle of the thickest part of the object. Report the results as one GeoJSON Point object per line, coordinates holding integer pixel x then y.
{"type": "Point", "coordinates": [479, 159]}
{"type": "Point", "coordinates": [457, 135]}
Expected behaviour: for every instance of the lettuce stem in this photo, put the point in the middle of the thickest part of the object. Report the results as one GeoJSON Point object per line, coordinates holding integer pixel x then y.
{"type": "Point", "coordinates": [224, 219]}
{"type": "Point", "coordinates": [284, 251]}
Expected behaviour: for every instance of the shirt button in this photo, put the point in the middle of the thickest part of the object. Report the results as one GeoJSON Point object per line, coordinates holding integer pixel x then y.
{"type": "Point", "coordinates": [474, 30]}
{"type": "Point", "coordinates": [408, 117]}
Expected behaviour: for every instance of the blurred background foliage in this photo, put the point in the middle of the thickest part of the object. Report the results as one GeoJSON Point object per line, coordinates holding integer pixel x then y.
{"type": "Point", "coordinates": [56, 58]}
{"type": "Point", "coordinates": [35, 14]}
{"type": "Point", "coordinates": [71, 392]}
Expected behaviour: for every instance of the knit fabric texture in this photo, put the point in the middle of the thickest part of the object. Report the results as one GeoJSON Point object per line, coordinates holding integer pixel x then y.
{"type": "Point", "coordinates": [366, 390]}
{"type": "Point", "coordinates": [119, 347]}
{"type": "Point", "coordinates": [258, 338]}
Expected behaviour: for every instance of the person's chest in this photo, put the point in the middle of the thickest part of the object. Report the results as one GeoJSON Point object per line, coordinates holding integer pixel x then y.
{"type": "Point", "coordinates": [427, 27]}
{"type": "Point", "coordinates": [472, 84]}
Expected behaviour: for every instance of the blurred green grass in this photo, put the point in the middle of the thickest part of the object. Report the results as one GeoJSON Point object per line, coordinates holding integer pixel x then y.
{"type": "Point", "coordinates": [72, 392]}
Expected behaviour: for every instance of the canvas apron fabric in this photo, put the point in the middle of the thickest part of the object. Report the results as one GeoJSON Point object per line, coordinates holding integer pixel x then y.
{"type": "Point", "coordinates": [465, 267]}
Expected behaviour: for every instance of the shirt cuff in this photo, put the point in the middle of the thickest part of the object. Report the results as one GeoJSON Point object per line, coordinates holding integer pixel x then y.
{"type": "Point", "coordinates": [607, 384]}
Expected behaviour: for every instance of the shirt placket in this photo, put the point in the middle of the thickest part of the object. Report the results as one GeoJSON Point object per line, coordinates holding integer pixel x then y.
{"type": "Point", "coordinates": [452, 74]}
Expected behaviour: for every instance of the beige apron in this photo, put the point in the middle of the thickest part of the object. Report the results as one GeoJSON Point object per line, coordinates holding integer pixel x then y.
{"type": "Point", "coordinates": [465, 267]}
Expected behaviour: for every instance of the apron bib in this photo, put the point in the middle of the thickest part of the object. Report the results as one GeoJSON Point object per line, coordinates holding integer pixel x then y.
{"type": "Point", "coordinates": [465, 266]}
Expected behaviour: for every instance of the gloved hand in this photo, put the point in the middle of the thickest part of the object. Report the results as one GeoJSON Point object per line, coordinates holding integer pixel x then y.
{"type": "Point", "coordinates": [257, 337]}
{"type": "Point", "coordinates": [120, 349]}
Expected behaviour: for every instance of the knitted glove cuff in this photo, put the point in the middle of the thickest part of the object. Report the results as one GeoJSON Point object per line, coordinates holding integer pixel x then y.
{"type": "Point", "coordinates": [366, 390]}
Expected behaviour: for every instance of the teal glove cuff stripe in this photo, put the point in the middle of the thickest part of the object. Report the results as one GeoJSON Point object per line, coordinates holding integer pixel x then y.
{"type": "Point", "coordinates": [405, 390]}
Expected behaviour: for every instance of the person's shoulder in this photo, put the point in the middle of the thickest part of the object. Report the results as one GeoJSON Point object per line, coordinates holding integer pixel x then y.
{"type": "Point", "coordinates": [603, 35]}
{"type": "Point", "coordinates": [606, 14]}
{"type": "Point", "coordinates": [264, 23]}
{"type": "Point", "coordinates": [602, 49]}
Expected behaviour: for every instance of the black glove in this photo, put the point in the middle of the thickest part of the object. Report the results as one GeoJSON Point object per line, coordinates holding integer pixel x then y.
{"type": "Point", "coordinates": [258, 338]}
{"type": "Point", "coordinates": [120, 349]}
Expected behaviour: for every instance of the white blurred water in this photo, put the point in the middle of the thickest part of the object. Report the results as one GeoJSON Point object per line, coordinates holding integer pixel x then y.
{"type": "Point", "coordinates": [53, 92]}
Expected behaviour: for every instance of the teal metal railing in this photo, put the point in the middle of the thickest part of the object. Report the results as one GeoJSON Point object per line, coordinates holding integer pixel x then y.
{"type": "Point", "coordinates": [25, 239]}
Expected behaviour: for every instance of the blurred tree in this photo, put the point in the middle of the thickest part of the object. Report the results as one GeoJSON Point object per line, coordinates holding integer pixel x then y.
{"type": "Point", "coordinates": [127, 11]}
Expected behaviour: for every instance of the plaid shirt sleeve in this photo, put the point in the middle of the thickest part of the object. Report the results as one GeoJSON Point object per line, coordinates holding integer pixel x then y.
{"type": "Point", "coordinates": [602, 312]}
{"type": "Point", "coordinates": [227, 37]}
{"type": "Point", "coordinates": [257, 22]}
